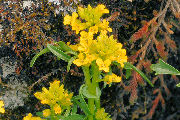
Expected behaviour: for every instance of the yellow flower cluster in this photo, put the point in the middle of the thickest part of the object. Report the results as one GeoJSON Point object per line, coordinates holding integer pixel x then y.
{"type": "Point", "coordinates": [56, 108]}
{"type": "Point", "coordinates": [112, 78]}
{"type": "Point", "coordinates": [104, 50]}
{"type": "Point", "coordinates": [91, 16]}
{"type": "Point", "coordinates": [101, 115]}
{"type": "Point", "coordinates": [2, 110]}
{"type": "Point", "coordinates": [55, 94]}
{"type": "Point", "coordinates": [46, 112]}
{"type": "Point", "coordinates": [30, 117]}
{"type": "Point", "coordinates": [56, 97]}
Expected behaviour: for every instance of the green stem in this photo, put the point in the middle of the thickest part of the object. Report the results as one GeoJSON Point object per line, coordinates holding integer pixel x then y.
{"type": "Point", "coordinates": [88, 83]}
{"type": "Point", "coordinates": [91, 108]}
{"type": "Point", "coordinates": [87, 75]}
{"type": "Point", "coordinates": [95, 79]}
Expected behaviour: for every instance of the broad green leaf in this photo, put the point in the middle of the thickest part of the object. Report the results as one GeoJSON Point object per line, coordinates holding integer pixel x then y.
{"type": "Point", "coordinates": [59, 53]}
{"type": "Point", "coordinates": [129, 65]}
{"type": "Point", "coordinates": [37, 55]}
{"type": "Point", "coordinates": [74, 117]}
{"type": "Point", "coordinates": [164, 68]}
{"type": "Point", "coordinates": [178, 85]}
{"type": "Point", "coordinates": [79, 100]}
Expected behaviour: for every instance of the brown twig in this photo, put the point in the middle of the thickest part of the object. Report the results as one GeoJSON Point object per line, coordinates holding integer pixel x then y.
{"type": "Point", "coordinates": [43, 78]}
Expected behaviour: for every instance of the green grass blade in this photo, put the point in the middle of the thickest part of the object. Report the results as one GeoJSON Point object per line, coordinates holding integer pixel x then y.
{"type": "Point", "coordinates": [128, 65]}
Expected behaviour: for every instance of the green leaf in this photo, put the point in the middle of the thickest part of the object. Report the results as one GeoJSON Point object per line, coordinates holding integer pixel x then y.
{"type": "Point", "coordinates": [164, 68]}
{"type": "Point", "coordinates": [74, 109]}
{"type": "Point", "coordinates": [39, 114]}
{"type": "Point", "coordinates": [63, 46]}
{"type": "Point", "coordinates": [128, 65]}
{"type": "Point", "coordinates": [82, 104]}
{"type": "Point", "coordinates": [67, 112]}
{"type": "Point", "coordinates": [59, 53]}
{"type": "Point", "coordinates": [37, 55]}
{"type": "Point", "coordinates": [98, 92]}
{"type": "Point", "coordinates": [74, 117]}
{"type": "Point", "coordinates": [178, 85]}
{"type": "Point", "coordinates": [84, 91]}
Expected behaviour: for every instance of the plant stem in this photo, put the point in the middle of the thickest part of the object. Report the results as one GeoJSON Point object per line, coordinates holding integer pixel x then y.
{"type": "Point", "coordinates": [92, 87]}
{"type": "Point", "coordinates": [87, 75]}
{"type": "Point", "coordinates": [95, 79]}
{"type": "Point", "coordinates": [91, 108]}
{"type": "Point", "coordinates": [88, 83]}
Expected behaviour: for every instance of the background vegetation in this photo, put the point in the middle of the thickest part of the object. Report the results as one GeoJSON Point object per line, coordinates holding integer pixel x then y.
{"type": "Point", "coordinates": [148, 29]}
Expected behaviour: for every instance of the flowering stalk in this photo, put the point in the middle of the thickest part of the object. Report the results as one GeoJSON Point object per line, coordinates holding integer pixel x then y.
{"type": "Point", "coordinates": [95, 53]}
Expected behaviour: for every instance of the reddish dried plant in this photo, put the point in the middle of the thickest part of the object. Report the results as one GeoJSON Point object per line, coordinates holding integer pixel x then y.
{"type": "Point", "coordinates": [158, 47]}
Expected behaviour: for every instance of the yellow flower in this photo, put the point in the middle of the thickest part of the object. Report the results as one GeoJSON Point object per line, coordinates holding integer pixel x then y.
{"type": "Point", "coordinates": [87, 18]}
{"type": "Point", "coordinates": [57, 109]}
{"type": "Point", "coordinates": [80, 60]}
{"type": "Point", "coordinates": [46, 112]}
{"type": "Point", "coordinates": [104, 25]}
{"type": "Point", "coordinates": [85, 41]}
{"type": "Point", "coordinates": [67, 20]}
{"type": "Point", "coordinates": [112, 78]}
{"type": "Point", "coordinates": [104, 50]}
{"type": "Point", "coordinates": [83, 60]}
{"type": "Point", "coordinates": [103, 65]}
{"type": "Point", "coordinates": [29, 117]}
{"type": "Point", "coordinates": [55, 94]}
{"type": "Point", "coordinates": [93, 29]}
{"type": "Point", "coordinates": [73, 47]}
{"type": "Point", "coordinates": [101, 9]}
{"type": "Point", "coordinates": [2, 110]}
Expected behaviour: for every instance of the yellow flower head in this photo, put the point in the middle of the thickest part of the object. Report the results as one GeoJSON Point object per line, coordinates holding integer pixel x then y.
{"type": "Point", "coordinates": [104, 50]}
{"type": "Point", "coordinates": [46, 112]}
{"type": "Point", "coordinates": [93, 29]}
{"type": "Point", "coordinates": [103, 65]}
{"type": "Point", "coordinates": [112, 78]}
{"type": "Point", "coordinates": [104, 25]}
{"type": "Point", "coordinates": [101, 9]}
{"type": "Point", "coordinates": [67, 20]}
{"type": "Point", "coordinates": [57, 109]}
{"type": "Point", "coordinates": [2, 110]}
{"type": "Point", "coordinates": [88, 18]}
{"type": "Point", "coordinates": [30, 117]}
{"type": "Point", "coordinates": [55, 94]}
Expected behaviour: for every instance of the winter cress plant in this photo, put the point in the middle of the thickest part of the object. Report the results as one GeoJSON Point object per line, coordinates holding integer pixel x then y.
{"type": "Point", "coordinates": [96, 51]}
